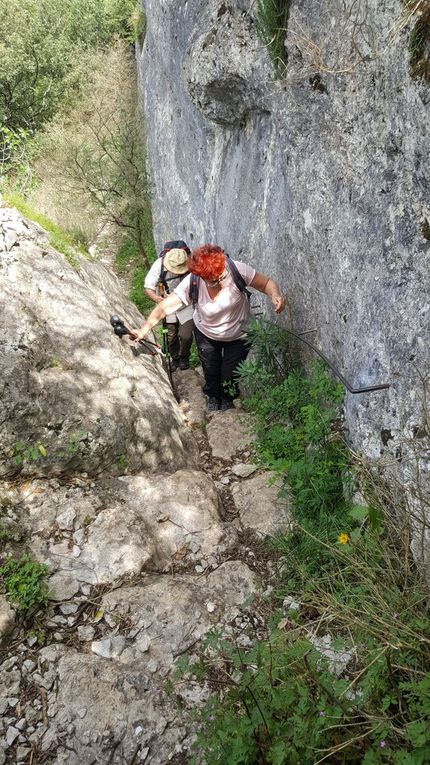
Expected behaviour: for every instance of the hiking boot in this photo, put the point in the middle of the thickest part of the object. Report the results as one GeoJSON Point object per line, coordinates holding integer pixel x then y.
{"type": "Point", "coordinates": [174, 363]}
{"type": "Point", "coordinates": [212, 405]}
{"type": "Point", "coordinates": [225, 404]}
{"type": "Point", "coordinates": [184, 364]}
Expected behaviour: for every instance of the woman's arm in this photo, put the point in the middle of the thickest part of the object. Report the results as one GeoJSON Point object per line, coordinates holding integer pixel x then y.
{"type": "Point", "coordinates": [268, 287]}
{"type": "Point", "coordinates": [170, 304]}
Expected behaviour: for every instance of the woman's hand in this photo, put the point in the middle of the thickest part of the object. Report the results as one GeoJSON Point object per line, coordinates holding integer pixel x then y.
{"type": "Point", "coordinates": [267, 286]}
{"type": "Point", "coordinates": [279, 302]}
{"type": "Point", "coordinates": [170, 304]}
{"type": "Point", "coordinates": [139, 334]}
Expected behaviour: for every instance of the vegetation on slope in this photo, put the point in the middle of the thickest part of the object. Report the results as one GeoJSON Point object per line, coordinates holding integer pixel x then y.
{"type": "Point", "coordinates": [342, 675]}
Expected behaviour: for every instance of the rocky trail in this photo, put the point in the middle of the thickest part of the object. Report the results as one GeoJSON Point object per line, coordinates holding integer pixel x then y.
{"type": "Point", "coordinates": [142, 562]}
{"type": "Point", "coordinates": [84, 682]}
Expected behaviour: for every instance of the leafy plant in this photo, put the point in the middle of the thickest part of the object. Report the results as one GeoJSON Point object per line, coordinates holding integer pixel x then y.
{"type": "Point", "coordinates": [74, 441]}
{"type": "Point", "coordinates": [299, 438]}
{"type": "Point", "coordinates": [194, 357]}
{"type": "Point", "coordinates": [27, 453]}
{"type": "Point", "coordinates": [298, 435]}
{"type": "Point", "coordinates": [43, 48]}
{"type": "Point", "coordinates": [283, 701]}
{"type": "Point", "coordinates": [126, 19]}
{"type": "Point", "coordinates": [38, 635]}
{"type": "Point", "coordinates": [5, 533]}
{"type": "Point", "coordinates": [121, 462]}
{"type": "Point", "coordinates": [229, 389]}
{"type": "Point", "coordinates": [23, 582]}
{"type": "Point", "coordinates": [274, 352]}
{"type": "Point", "coordinates": [129, 262]}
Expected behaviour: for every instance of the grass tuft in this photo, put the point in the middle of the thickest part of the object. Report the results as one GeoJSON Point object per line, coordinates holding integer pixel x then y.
{"type": "Point", "coordinates": [59, 239]}
{"type": "Point", "coordinates": [272, 24]}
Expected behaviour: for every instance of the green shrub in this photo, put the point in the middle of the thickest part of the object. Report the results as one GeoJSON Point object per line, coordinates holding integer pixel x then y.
{"type": "Point", "coordinates": [298, 437]}
{"type": "Point", "coordinates": [125, 19]}
{"type": "Point", "coordinates": [281, 701]}
{"type": "Point", "coordinates": [274, 352]}
{"type": "Point", "coordinates": [20, 452]}
{"type": "Point", "coordinates": [128, 261]}
{"type": "Point", "coordinates": [23, 582]}
{"type": "Point", "coordinates": [91, 161]}
{"type": "Point", "coordinates": [43, 47]}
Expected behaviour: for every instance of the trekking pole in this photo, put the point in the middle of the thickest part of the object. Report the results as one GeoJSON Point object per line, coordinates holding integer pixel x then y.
{"type": "Point", "coordinates": [120, 330]}
{"type": "Point", "coordinates": [166, 351]}
{"type": "Point", "coordinates": [163, 290]}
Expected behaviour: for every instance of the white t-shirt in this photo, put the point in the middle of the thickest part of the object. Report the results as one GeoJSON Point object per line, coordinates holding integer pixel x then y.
{"type": "Point", "coordinates": [225, 316]}
{"type": "Point", "coordinates": [152, 282]}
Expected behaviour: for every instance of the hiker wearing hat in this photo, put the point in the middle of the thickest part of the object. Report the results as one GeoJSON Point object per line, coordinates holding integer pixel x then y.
{"type": "Point", "coordinates": [162, 278]}
{"type": "Point", "coordinates": [216, 287]}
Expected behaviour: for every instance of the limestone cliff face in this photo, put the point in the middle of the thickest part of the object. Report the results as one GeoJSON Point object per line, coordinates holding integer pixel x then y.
{"type": "Point", "coordinates": [320, 179]}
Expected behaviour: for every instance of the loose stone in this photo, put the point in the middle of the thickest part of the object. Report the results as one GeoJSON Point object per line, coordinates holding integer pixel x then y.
{"type": "Point", "coordinates": [86, 633]}
{"type": "Point", "coordinates": [9, 663]}
{"type": "Point", "coordinates": [11, 735]}
{"type": "Point", "coordinates": [68, 608]}
{"type": "Point", "coordinates": [152, 665]}
{"type": "Point", "coordinates": [109, 648]}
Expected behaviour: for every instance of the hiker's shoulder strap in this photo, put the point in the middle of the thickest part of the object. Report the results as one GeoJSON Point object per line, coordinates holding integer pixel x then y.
{"type": "Point", "coordinates": [236, 276]}
{"type": "Point", "coordinates": [193, 289]}
{"type": "Point", "coordinates": [233, 271]}
{"type": "Point", "coordinates": [162, 277]}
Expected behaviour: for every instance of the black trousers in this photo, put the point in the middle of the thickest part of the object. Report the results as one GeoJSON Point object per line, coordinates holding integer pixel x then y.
{"type": "Point", "coordinates": [180, 339]}
{"type": "Point", "coordinates": [219, 359]}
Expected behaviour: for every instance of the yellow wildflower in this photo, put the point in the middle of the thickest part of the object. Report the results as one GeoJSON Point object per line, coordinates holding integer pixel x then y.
{"type": "Point", "coordinates": [343, 539]}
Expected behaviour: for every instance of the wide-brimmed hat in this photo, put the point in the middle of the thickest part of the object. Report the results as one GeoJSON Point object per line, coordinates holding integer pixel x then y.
{"type": "Point", "coordinates": [176, 261]}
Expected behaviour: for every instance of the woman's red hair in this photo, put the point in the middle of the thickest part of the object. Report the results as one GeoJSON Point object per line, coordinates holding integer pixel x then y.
{"type": "Point", "coordinates": [207, 261]}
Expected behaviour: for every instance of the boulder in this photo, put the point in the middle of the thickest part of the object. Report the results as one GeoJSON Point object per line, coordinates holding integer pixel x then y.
{"type": "Point", "coordinates": [75, 398]}
{"type": "Point", "coordinates": [259, 505]}
{"type": "Point", "coordinates": [126, 525]}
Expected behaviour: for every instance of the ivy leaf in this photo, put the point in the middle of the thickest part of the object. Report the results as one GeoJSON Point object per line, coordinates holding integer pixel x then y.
{"type": "Point", "coordinates": [359, 512]}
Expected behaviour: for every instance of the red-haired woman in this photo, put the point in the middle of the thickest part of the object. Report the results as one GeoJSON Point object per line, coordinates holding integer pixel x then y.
{"type": "Point", "coordinates": [220, 317]}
